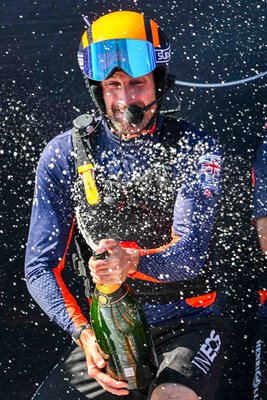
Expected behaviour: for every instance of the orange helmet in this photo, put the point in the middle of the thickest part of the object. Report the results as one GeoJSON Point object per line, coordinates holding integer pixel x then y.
{"type": "Point", "coordinates": [125, 40]}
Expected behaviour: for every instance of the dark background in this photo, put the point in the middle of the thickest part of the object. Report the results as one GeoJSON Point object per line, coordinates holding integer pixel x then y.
{"type": "Point", "coordinates": [43, 91]}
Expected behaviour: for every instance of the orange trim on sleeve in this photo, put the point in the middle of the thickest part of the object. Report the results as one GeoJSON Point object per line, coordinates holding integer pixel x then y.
{"type": "Point", "coordinates": [144, 277]}
{"type": "Point", "coordinates": [72, 306]}
{"type": "Point", "coordinates": [253, 179]}
{"type": "Point", "coordinates": [263, 296]}
{"type": "Point", "coordinates": [130, 245]}
{"type": "Point", "coordinates": [61, 264]}
{"type": "Point", "coordinates": [138, 275]}
{"type": "Point", "coordinates": [204, 300]}
{"type": "Point", "coordinates": [145, 252]}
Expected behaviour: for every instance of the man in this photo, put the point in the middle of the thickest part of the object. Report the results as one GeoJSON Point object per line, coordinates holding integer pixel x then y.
{"type": "Point", "coordinates": [151, 203]}
{"type": "Point", "coordinates": [259, 385]}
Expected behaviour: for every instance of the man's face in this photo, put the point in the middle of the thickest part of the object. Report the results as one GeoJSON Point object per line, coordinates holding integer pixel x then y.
{"type": "Point", "coordinates": [119, 92]}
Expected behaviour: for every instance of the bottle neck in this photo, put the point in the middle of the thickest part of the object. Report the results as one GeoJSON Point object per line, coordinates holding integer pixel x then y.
{"type": "Point", "coordinates": [108, 294]}
{"type": "Point", "coordinates": [108, 288]}
{"type": "Point", "coordinates": [105, 288]}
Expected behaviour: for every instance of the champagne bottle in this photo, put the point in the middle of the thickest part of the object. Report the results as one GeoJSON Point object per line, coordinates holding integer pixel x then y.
{"type": "Point", "coordinates": [122, 333]}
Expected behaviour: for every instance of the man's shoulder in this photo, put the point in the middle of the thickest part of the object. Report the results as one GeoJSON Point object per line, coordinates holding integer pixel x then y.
{"type": "Point", "coordinates": [62, 140]}
{"type": "Point", "coordinates": [185, 131]}
{"type": "Point", "coordinates": [60, 143]}
{"type": "Point", "coordinates": [58, 150]}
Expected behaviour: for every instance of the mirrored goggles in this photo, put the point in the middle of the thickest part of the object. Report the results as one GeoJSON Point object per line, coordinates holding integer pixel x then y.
{"type": "Point", "coordinates": [135, 57]}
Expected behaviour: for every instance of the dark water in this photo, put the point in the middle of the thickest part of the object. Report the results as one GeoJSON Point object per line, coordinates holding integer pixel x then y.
{"type": "Point", "coordinates": [43, 91]}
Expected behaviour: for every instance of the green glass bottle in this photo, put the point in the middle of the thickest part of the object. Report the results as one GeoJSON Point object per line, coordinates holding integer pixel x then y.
{"type": "Point", "coordinates": [122, 333]}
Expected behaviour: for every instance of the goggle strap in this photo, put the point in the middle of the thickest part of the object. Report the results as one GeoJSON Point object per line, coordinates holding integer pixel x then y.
{"type": "Point", "coordinates": [89, 33]}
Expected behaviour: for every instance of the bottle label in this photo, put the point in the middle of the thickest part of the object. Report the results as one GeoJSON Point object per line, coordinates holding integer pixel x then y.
{"type": "Point", "coordinates": [129, 372]}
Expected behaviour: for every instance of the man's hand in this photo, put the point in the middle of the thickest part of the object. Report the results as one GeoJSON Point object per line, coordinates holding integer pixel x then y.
{"type": "Point", "coordinates": [96, 362]}
{"type": "Point", "coordinates": [117, 266]}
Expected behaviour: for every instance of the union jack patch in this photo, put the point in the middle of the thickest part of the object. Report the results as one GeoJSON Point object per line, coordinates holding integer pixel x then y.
{"type": "Point", "coordinates": [209, 171]}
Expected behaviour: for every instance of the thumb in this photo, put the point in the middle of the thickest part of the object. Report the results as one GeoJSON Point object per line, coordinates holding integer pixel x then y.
{"type": "Point", "coordinates": [96, 355]}
{"type": "Point", "coordinates": [97, 358]}
{"type": "Point", "coordinates": [91, 348]}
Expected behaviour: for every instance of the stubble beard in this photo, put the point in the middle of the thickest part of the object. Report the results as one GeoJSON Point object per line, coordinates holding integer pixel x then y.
{"type": "Point", "coordinates": [123, 127]}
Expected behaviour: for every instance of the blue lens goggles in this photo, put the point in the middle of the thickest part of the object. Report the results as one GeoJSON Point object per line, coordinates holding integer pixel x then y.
{"type": "Point", "coordinates": [135, 57]}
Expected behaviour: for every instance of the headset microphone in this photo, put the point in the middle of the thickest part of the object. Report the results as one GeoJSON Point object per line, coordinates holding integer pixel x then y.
{"type": "Point", "coordinates": [134, 114]}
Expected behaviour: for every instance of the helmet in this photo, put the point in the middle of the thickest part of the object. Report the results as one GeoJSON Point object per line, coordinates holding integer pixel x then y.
{"type": "Point", "coordinates": [125, 40]}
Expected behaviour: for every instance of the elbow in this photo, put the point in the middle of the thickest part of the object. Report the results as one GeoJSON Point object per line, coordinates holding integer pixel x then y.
{"type": "Point", "coordinates": [32, 274]}
{"type": "Point", "coordinates": [28, 279]}
{"type": "Point", "coordinates": [191, 273]}
{"type": "Point", "coordinates": [194, 266]}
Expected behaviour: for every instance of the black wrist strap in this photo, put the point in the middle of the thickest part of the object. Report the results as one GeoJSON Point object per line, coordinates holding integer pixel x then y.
{"type": "Point", "coordinates": [76, 334]}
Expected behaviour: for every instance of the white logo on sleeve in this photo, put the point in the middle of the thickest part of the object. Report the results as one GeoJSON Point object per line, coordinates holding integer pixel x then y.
{"type": "Point", "coordinates": [208, 352]}
{"type": "Point", "coordinates": [209, 169]}
{"type": "Point", "coordinates": [257, 376]}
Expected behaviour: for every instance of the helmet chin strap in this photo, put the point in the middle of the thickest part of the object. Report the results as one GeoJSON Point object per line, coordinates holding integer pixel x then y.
{"type": "Point", "coordinates": [134, 114]}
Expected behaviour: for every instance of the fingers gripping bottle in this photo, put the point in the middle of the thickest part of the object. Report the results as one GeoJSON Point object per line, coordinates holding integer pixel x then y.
{"type": "Point", "coordinates": [122, 334]}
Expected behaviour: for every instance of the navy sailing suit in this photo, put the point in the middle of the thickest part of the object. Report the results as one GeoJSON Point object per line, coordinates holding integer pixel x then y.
{"type": "Point", "coordinates": [179, 243]}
